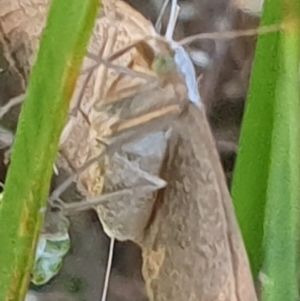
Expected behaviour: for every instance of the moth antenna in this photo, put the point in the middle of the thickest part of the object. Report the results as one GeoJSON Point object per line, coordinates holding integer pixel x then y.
{"type": "Point", "coordinates": [108, 268]}
{"type": "Point", "coordinates": [229, 35]}
{"type": "Point", "coordinates": [172, 21]}
{"type": "Point", "coordinates": [159, 18]}
{"type": "Point", "coordinates": [119, 69]}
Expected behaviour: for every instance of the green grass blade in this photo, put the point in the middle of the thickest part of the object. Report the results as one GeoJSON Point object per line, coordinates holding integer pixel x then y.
{"type": "Point", "coordinates": [267, 176]}
{"type": "Point", "coordinates": [281, 248]}
{"type": "Point", "coordinates": [252, 165]}
{"type": "Point", "coordinates": [43, 115]}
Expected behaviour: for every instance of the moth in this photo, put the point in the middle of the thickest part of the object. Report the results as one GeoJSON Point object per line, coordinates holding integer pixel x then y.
{"type": "Point", "coordinates": [140, 149]}
{"type": "Point", "coordinates": [151, 169]}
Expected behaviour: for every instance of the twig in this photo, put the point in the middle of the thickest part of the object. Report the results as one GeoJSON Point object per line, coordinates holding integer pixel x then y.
{"type": "Point", "coordinates": [11, 103]}
{"type": "Point", "coordinates": [81, 94]}
{"type": "Point", "coordinates": [173, 20]}
{"type": "Point", "coordinates": [108, 269]}
{"type": "Point", "coordinates": [229, 35]}
{"type": "Point", "coordinates": [6, 137]}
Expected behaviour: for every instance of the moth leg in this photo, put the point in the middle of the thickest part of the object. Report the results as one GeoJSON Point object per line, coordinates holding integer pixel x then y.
{"type": "Point", "coordinates": [124, 212]}
{"type": "Point", "coordinates": [100, 73]}
{"type": "Point", "coordinates": [147, 119]}
{"type": "Point", "coordinates": [92, 203]}
{"type": "Point", "coordinates": [126, 132]}
{"type": "Point", "coordinates": [122, 70]}
{"type": "Point", "coordinates": [153, 184]}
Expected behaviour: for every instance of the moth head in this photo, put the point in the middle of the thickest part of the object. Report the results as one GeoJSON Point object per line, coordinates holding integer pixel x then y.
{"type": "Point", "coordinates": [163, 63]}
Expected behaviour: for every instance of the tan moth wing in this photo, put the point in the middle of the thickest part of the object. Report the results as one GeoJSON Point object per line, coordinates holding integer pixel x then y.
{"type": "Point", "coordinates": [116, 106]}
{"type": "Point", "coordinates": [192, 248]}
{"type": "Point", "coordinates": [79, 139]}
{"type": "Point", "coordinates": [191, 244]}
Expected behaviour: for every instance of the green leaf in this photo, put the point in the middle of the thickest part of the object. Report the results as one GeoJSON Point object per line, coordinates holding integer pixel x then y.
{"type": "Point", "coordinates": [267, 176]}
{"type": "Point", "coordinates": [251, 171]}
{"type": "Point", "coordinates": [281, 248]}
{"type": "Point", "coordinates": [42, 118]}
